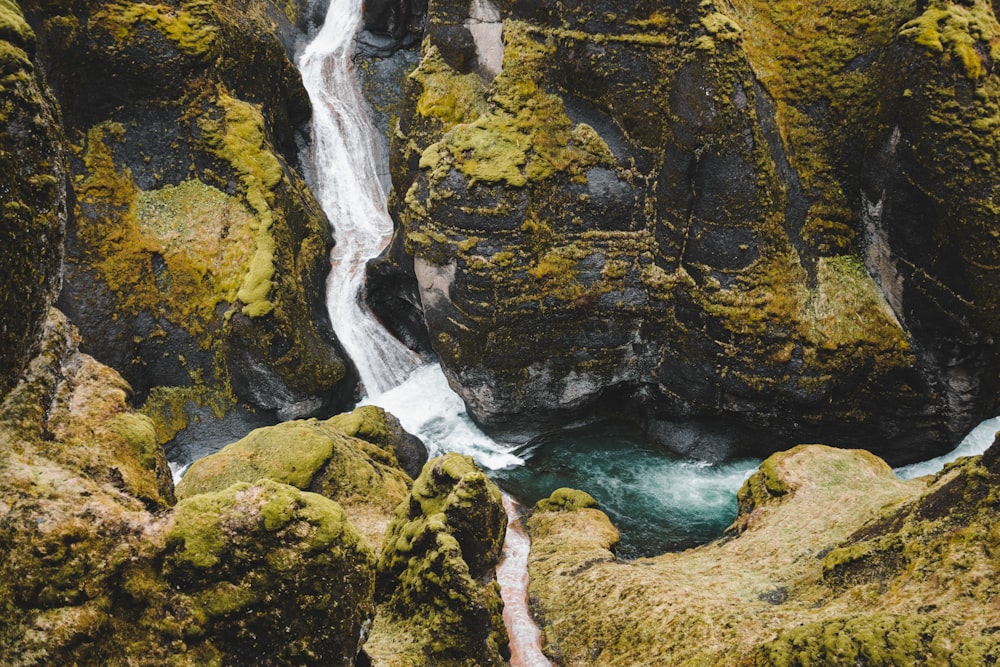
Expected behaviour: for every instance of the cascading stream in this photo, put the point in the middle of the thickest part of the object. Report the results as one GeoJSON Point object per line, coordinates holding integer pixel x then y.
{"type": "Point", "coordinates": [343, 162]}
{"type": "Point", "coordinates": [345, 178]}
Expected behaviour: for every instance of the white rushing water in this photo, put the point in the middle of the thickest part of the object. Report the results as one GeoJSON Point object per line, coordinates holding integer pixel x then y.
{"type": "Point", "coordinates": [343, 161]}
{"type": "Point", "coordinates": [977, 442]}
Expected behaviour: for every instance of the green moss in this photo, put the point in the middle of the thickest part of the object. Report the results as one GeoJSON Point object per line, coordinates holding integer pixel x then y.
{"type": "Point", "coordinates": [238, 138]}
{"type": "Point", "coordinates": [876, 639]}
{"type": "Point", "coordinates": [289, 453]}
{"type": "Point", "coordinates": [435, 574]}
{"type": "Point", "coordinates": [191, 27]}
{"type": "Point", "coordinates": [197, 534]}
{"type": "Point", "coordinates": [13, 27]}
{"type": "Point", "coordinates": [813, 65]}
{"type": "Point", "coordinates": [138, 430]}
{"type": "Point", "coordinates": [955, 30]}
{"type": "Point", "coordinates": [566, 500]}
{"type": "Point", "coordinates": [525, 135]}
{"type": "Point", "coordinates": [367, 422]}
{"type": "Point", "coordinates": [445, 95]}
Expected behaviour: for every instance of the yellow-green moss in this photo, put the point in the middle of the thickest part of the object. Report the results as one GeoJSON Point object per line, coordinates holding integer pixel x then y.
{"type": "Point", "coordinates": [191, 27]}
{"type": "Point", "coordinates": [13, 27]}
{"type": "Point", "coordinates": [805, 58]}
{"type": "Point", "coordinates": [524, 137]}
{"type": "Point", "coordinates": [238, 138]}
{"type": "Point", "coordinates": [955, 30]}
{"type": "Point", "coordinates": [566, 500]}
{"type": "Point", "coordinates": [450, 97]}
{"type": "Point", "coordinates": [291, 456]}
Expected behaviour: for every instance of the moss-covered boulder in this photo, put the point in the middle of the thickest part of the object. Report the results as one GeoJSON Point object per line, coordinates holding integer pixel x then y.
{"type": "Point", "coordinates": [832, 561]}
{"type": "Point", "coordinates": [349, 458]}
{"type": "Point", "coordinates": [273, 575]}
{"type": "Point", "coordinates": [438, 599]}
{"type": "Point", "coordinates": [97, 570]}
{"type": "Point", "coordinates": [33, 203]}
{"type": "Point", "coordinates": [657, 211]}
{"type": "Point", "coordinates": [197, 256]}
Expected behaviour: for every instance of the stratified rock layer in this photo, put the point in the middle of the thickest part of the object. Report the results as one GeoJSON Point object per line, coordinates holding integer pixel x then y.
{"type": "Point", "coordinates": [832, 561]}
{"type": "Point", "coordinates": [657, 212]}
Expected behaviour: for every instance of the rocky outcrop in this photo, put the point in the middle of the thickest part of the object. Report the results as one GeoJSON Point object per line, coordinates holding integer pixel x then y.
{"type": "Point", "coordinates": [197, 256]}
{"type": "Point", "coordinates": [439, 602]}
{"type": "Point", "coordinates": [33, 183]}
{"type": "Point", "coordinates": [831, 561]}
{"type": "Point", "coordinates": [657, 212]}
{"type": "Point", "coordinates": [351, 458]}
{"type": "Point", "coordinates": [96, 569]}
{"type": "Point", "coordinates": [931, 184]}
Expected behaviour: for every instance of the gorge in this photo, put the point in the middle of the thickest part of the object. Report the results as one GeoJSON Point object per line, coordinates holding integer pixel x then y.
{"type": "Point", "coordinates": [639, 253]}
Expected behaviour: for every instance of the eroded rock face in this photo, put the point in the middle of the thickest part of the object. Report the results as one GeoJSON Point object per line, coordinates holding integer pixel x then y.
{"type": "Point", "coordinates": [32, 196]}
{"type": "Point", "coordinates": [436, 587]}
{"type": "Point", "coordinates": [657, 212]}
{"type": "Point", "coordinates": [832, 560]}
{"type": "Point", "coordinates": [197, 258]}
{"type": "Point", "coordinates": [930, 191]}
{"type": "Point", "coordinates": [97, 569]}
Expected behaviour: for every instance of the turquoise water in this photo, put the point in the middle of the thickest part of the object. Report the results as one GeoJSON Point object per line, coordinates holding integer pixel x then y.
{"type": "Point", "coordinates": [658, 501]}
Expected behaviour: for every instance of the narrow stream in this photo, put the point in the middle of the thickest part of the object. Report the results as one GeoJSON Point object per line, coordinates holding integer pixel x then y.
{"type": "Point", "coordinates": [345, 178]}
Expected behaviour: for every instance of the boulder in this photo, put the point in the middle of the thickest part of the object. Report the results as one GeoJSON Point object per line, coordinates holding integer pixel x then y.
{"type": "Point", "coordinates": [350, 458]}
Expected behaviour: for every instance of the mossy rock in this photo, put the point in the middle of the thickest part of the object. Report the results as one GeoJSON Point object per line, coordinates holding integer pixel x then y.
{"type": "Point", "coordinates": [698, 255]}
{"type": "Point", "coordinates": [98, 569]}
{"type": "Point", "coordinates": [349, 458]}
{"type": "Point", "coordinates": [75, 411]}
{"type": "Point", "coordinates": [34, 207]}
{"type": "Point", "coordinates": [197, 256]}
{"type": "Point", "coordinates": [257, 560]}
{"type": "Point", "coordinates": [566, 500]}
{"type": "Point", "coordinates": [436, 584]}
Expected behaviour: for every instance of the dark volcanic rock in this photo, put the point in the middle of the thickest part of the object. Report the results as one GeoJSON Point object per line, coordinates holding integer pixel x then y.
{"type": "Point", "coordinates": [932, 228]}
{"type": "Point", "coordinates": [657, 213]}
{"type": "Point", "coordinates": [197, 257]}
{"type": "Point", "coordinates": [32, 196]}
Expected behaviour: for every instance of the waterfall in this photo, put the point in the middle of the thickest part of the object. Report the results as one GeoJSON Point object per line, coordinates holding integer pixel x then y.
{"type": "Point", "coordinates": [343, 167]}
{"type": "Point", "coordinates": [343, 162]}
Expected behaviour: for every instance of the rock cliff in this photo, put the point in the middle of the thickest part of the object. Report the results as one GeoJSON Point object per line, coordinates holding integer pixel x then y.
{"type": "Point", "coordinates": [709, 212]}
{"type": "Point", "coordinates": [33, 184]}
{"type": "Point", "coordinates": [195, 256]}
